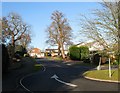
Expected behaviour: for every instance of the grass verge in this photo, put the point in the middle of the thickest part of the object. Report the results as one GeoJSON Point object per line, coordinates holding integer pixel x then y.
{"type": "Point", "coordinates": [37, 67]}
{"type": "Point", "coordinates": [103, 74]}
{"type": "Point", "coordinates": [55, 58]}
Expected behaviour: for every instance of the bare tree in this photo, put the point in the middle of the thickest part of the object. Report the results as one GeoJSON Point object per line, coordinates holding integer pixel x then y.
{"type": "Point", "coordinates": [14, 29]}
{"type": "Point", "coordinates": [25, 40]}
{"type": "Point", "coordinates": [59, 32]}
{"type": "Point", "coordinates": [103, 28]}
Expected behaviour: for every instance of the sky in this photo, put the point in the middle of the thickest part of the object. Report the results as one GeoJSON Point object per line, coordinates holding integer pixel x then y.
{"type": "Point", "coordinates": [37, 14]}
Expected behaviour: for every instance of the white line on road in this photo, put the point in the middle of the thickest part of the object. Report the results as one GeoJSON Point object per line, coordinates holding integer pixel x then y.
{"type": "Point", "coordinates": [23, 85]}
{"type": "Point", "coordinates": [28, 76]}
{"type": "Point", "coordinates": [44, 68]}
{"type": "Point", "coordinates": [69, 84]}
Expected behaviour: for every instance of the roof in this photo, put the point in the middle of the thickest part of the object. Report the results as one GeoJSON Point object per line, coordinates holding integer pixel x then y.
{"type": "Point", "coordinates": [86, 43]}
{"type": "Point", "coordinates": [92, 45]}
{"type": "Point", "coordinates": [53, 50]}
{"type": "Point", "coordinates": [35, 50]}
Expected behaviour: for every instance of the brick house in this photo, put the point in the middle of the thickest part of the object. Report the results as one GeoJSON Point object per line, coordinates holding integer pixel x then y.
{"type": "Point", "coordinates": [35, 52]}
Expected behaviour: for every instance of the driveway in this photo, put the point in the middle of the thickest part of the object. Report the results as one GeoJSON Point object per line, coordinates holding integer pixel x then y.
{"type": "Point", "coordinates": [65, 77]}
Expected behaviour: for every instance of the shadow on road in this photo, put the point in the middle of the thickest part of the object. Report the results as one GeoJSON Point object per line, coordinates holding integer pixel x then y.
{"type": "Point", "coordinates": [42, 81]}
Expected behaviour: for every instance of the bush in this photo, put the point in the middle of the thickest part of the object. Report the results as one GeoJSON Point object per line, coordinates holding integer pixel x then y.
{"type": "Point", "coordinates": [87, 60]}
{"type": "Point", "coordinates": [74, 53]}
{"type": "Point", "coordinates": [19, 49]}
{"type": "Point", "coordinates": [79, 53]}
{"type": "Point", "coordinates": [20, 53]}
{"type": "Point", "coordinates": [96, 59]}
{"type": "Point", "coordinates": [47, 54]}
{"type": "Point", "coordinates": [116, 62]}
{"type": "Point", "coordinates": [26, 55]}
{"type": "Point", "coordinates": [84, 52]}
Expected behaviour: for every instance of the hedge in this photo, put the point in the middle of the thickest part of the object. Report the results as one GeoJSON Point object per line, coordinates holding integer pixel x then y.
{"type": "Point", "coordinates": [84, 52]}
{"type": "Point", "coordinates": [78, 53]}
{"type": "Point", "coordinates": [74, 53]}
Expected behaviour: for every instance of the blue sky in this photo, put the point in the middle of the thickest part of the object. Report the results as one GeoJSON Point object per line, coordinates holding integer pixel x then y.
{"type": "Point", "coordinates": [37, 14]}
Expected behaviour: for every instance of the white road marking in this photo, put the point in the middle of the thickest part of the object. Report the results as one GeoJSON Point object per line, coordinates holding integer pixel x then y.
{"type": "Point", "coordinates": [56, 78]}
{"type": "Point", "coordinates": [28, 76]}
{"type": "Point", "coordinates": [23, 85]}
{"type": "Point", "coordinates": [69, 64]}
{"type": "Point", "coordinates": [44, 68]}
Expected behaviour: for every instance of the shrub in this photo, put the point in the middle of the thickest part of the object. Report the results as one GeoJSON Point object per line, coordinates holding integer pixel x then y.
{"type": "Point", "coordinates": [96, 59]}
{"type": "Point", "coordinates": [26, 55]}
{"type": "Point", "coordinates": [79, 53]}
{"type": "Point", "coordinates": [20, 53]}
{"type": "Point", "coordinates": [47, 54]}
{"type": "Point", "coordinates": [84, 52]}
{"type": "Point", "coordinates": [20, 50]}
{"type": "Point", "coordinates": [74, 53]}
{"type": "Point", "coordinates": [116, 62]}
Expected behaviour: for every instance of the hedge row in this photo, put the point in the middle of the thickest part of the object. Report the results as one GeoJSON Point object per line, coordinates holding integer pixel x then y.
{"type": "Point", "coordinates": [78, 53]}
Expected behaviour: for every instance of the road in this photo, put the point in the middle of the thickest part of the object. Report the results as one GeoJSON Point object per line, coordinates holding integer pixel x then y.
{"type": "Point", "coordinates": [68, 74]}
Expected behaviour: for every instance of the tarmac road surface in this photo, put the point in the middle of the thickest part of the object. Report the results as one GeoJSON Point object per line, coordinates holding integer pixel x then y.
{"type": "Point", "coordinates": [42, 81]}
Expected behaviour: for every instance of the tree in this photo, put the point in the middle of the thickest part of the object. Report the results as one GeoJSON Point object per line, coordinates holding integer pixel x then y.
{"type": "Point", "coordinates": [14, 29]}
{"type": "Point", "coordinates": [59, 32]}
{"type": "Point", "coordinates": [103, 28]}
{"type": "Point", "coordinates": [25, 40]}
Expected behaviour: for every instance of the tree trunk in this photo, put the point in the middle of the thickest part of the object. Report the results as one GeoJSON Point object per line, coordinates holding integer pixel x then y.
{"type": "Point", "coordinates": [59, 50]}
{"type": "Point", "coordinates": [12, 49]}
{"type": "Point", "coordinates": [62, 51]}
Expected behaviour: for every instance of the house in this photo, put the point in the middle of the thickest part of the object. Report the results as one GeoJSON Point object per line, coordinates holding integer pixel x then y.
{"type": "Point", "coordinates": [35, 52]}
{"type": "Point", "coordinates": [54, 52]}
{"type": "Point", "coordinates": [93, 45]}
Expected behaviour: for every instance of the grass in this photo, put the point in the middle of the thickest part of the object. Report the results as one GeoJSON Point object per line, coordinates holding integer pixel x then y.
{"type": "Point", "coordinates": [37, 67]}
{"type": "Point", "coordinates": [55, 58]}
{"type": "Point", "coordinates": [103, 74]}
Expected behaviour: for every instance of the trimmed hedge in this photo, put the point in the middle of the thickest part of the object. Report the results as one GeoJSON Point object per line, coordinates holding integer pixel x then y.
{"type": "Point", "coordinates": [84, 51]}
{"type": "Point", "coordinates": [74, 53]}
{"type": "Point", "coordinates": [78, 53]}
